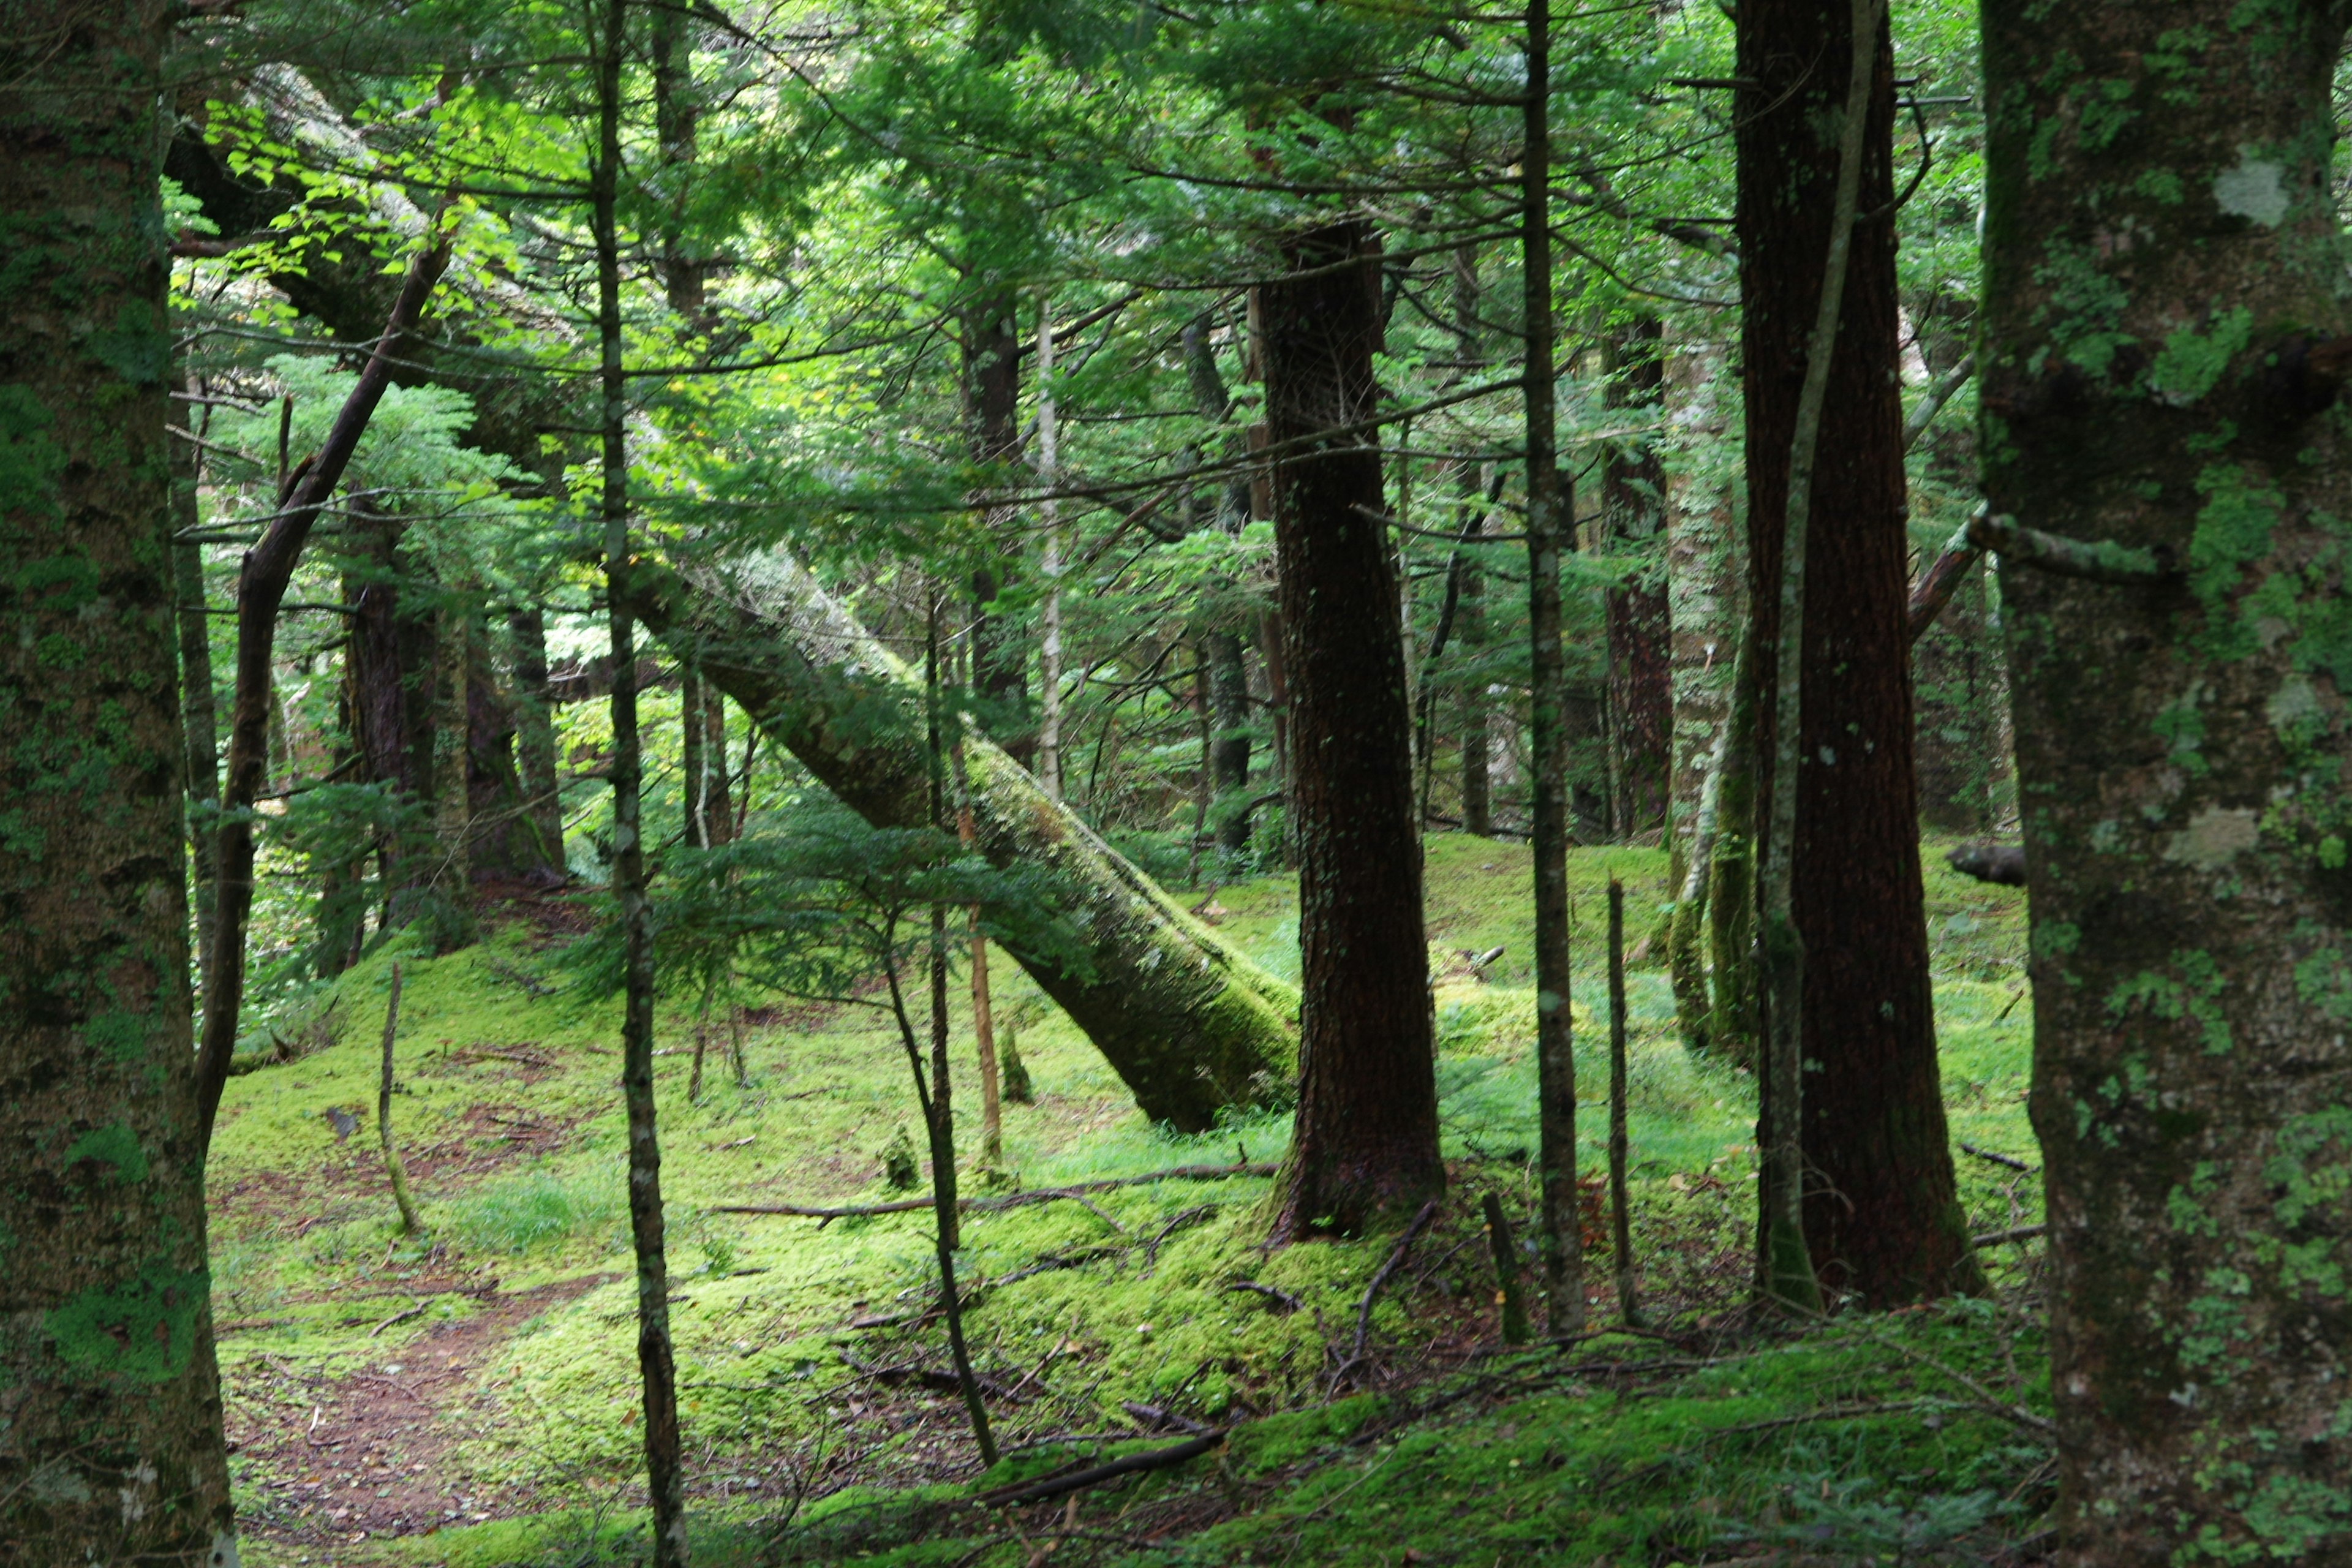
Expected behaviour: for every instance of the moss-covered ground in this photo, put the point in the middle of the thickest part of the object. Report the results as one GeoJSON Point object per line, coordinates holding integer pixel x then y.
{"type": "Point", "coordinates": [468, 1396]}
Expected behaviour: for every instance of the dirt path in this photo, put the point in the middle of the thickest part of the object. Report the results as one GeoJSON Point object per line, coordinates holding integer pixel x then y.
{"type": "Point", "coordinates": [360, 1457]}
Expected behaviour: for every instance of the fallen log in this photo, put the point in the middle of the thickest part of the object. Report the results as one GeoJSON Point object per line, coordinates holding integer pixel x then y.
{"type": "Point", "coordinates": [1191, 1025]}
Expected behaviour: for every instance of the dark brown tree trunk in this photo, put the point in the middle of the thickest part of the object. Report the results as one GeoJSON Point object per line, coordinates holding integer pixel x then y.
{"type": "Point", "coordinates": [992, 371]}
{"type": "Point", "coordinates": [1365, 1150]}
{"type": "Point", "coordinates": [507, 840]}
{"type": "Point", "coordinates": [112, 1449]}
{"type": "Point", "coordinates": [1634, 510]}
{"type": "Point", "coordinates": [1882, 1217]}
{"type": "Point", "coordinates": [1552, 530]}
{"type": "Point", "coordinates": [2181, 747]}
{"type": "Point", "coordinates": [1477, 741]}
{"type": "Point", "coordinates": [657, 1359]}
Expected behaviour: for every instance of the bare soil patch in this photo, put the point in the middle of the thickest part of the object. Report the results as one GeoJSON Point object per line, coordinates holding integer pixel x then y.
{"type": "Point", "coordinates": [358, 1458]}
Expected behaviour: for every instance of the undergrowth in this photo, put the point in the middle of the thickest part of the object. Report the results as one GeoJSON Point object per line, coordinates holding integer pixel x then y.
{"type": "Point", "coordinates": [805, 1352]}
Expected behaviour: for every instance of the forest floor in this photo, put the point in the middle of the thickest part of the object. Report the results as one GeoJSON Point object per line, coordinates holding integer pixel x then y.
{"type": "Point", "coordinates": [468, 1397]}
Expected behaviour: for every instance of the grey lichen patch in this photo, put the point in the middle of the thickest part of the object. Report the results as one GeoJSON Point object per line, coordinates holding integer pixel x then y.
{"type": "Point", "coordinates": [2255, 189]}
{"type": "Point", "coordinates": [2215, 837]}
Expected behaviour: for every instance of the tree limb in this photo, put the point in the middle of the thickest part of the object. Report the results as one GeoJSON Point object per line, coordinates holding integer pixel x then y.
{"type": "Point", "coordinates": [261, 587]}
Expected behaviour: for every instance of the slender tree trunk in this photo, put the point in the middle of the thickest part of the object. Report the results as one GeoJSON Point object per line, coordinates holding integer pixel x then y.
{"type": "Point", "coordinates": [535, 732]}
{"type": "Point", "coordinates": [1365, 1149]}
{"type": "Point", "coordinates": [656, 1363]}
{"type": "Point", "coordinates": [694, 767]}
{"type": "Point", "coordinates": [991, 379]}
{"type": "Point", "coordinates": [1229, 712]}
{"type": "Point", "coordinates": [393, 1169]}
{"type": "Point", "coordinates": [2181, 744]}
{"type": "Point", "coordinates": [1621, 1229]}
{"type": "Point", "coordinates": [1881, 1217]}
{"type": "Point", "coordinates": [112, 1449]}
{"type": "Point", "coordinates": [1633, 507]}
{"type": "Point", "coordinates": [452, 802]}
{"type": "Point", "coordinates": [269, 567]}
{"type": "Point", "coordinates": [1705, 567]}
{"type": "Point", "coordinates": [1551, 528]}
{"type": "Point", "coordinates": [1049, 642]}
{"type": "Point", "coordinates": [199, 716]}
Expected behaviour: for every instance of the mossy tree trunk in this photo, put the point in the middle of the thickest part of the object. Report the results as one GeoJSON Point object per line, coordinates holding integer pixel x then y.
{"type": "Point", "coordinates": [2165, 320]}
{"type": "Point", "coordinates": [1365, 1149]}
{"type": "Point", "coordinates": [1881, 1217]}
{"type": "Point", "coordinates": [1190, 1025]}
{"type": "Point", "coordinates": [112, 1449]}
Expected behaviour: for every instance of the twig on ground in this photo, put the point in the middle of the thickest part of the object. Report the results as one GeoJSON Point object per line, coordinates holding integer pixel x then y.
{"type": "Point", "coordinates": [2009, 1160]}
{"type": "Point", "coordinates": [1133, 1464]}
{"type": "Point", "coordinates": [1152, 1416]}
{"type": "Point", "coordinates": [415, 1312]}
{"type": "Point", "coordinates": [1371, 1292]}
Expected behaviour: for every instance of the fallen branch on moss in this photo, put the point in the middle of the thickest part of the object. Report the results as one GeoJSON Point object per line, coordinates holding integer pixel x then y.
{"type": "Point", "coordinates": [1371, 1292]}
{"type": "Point", "coordinates": [2014, 1233]}
{"type": "Point", "coordinates": [1075, 1193]}
{"type": "Point", "coordinates": [1095, 1475]}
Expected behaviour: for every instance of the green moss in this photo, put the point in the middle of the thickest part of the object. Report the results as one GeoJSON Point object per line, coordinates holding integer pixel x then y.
{"type": "Point", "coordinates": [116, 1146]}
{"type": "Point", "coordinates": [143, 1330]}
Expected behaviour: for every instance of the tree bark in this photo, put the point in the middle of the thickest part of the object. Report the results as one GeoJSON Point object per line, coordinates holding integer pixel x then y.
{"type": "Point", "coordinates": [657, 1359]}
{"type": "Point", "coordinates": [1365, 1149]}
{"type": "Point", "coordinates": [111, 1450]}
{"type": "Point", "coordinates": [535, 732]}
{"type": "Point", "coordinates": [991, 379]}
{"type": "Point", "coordinates": [1634, 508]}
{"type": "Point", "coordinates": [1882, 1218]}
{"type": "Point", "coordinates": [1190, 1025]}
{"type": "Point", "coordinates": [1551, 528]}
{"type": "Point", "coordinates": [199, 712]}
{"type": "Point", "coordinates": [2180, 747]}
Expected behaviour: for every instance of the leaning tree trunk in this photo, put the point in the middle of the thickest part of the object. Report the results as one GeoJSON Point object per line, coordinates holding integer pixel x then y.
{"type": "Point", "coordinates": [1881, 1217]}
{"type": "Point", "coordinates": [111, 1448]}
{"type": "Point", "coordinates": [1366, 1146]}
{"type": "Point", "coordinates": [1190, 1025]}
{"type": "Point", "coordinates": [2165, 328]}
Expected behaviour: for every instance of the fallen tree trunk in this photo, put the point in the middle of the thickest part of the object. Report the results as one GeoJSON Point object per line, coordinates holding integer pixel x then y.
{"type": "Point", "coordinates": [1190, 1025]}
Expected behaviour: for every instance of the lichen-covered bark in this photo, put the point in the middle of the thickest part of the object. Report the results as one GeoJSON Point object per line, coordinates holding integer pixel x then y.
{"type": "Point", "coordinates": [1881, 1217]}
{"type": "Point", "coordinates": [2166, 308]}
{"type": "Point", "coordinates": [110, 1447]}
{"type": "Point", "coordinates": [1190, 1025]}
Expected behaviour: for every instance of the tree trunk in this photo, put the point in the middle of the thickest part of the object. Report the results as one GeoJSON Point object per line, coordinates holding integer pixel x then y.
{"type": "Point", "coordinates": [1365, 1149]}
{"type": "Point", "coordinates": [2180, 746]}
{"type": "Point", "coordinates": [261, 585]}
{"type": "Point", "coordinates": [1551, 528]}
{"type": "Point", "coordinates": [111, 1450]}
{"type": "Point", "coordinates": [452, 802]}
{"type": "Point", "coordinates": [1705, 562]}
{"type": "Point", "coordinates": [199, 714]}
{"type": "Point", "coordinates": [1190, 1025]}
{"type": "Point", "coordinates": [694, 772]}
{"type": "Point", "coordinates": [535, 732]}
{"type": "Point", "coordinates": [1634, 510]}
{"type": "Point", "coordinates": [1881, 1218]}
{"type": "Point", "coordinates": [657, 1360]}
{"type": "Point", "coordinates": [506, 839]}
{"type": "Point", "coordinates": [1229, 705]}
{"type": "Point", "coordinates": [991, 379]}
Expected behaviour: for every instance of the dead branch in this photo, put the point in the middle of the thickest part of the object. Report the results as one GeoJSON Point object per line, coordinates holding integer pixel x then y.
{"type": "Point", "coordinates": [1133, 1464]}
